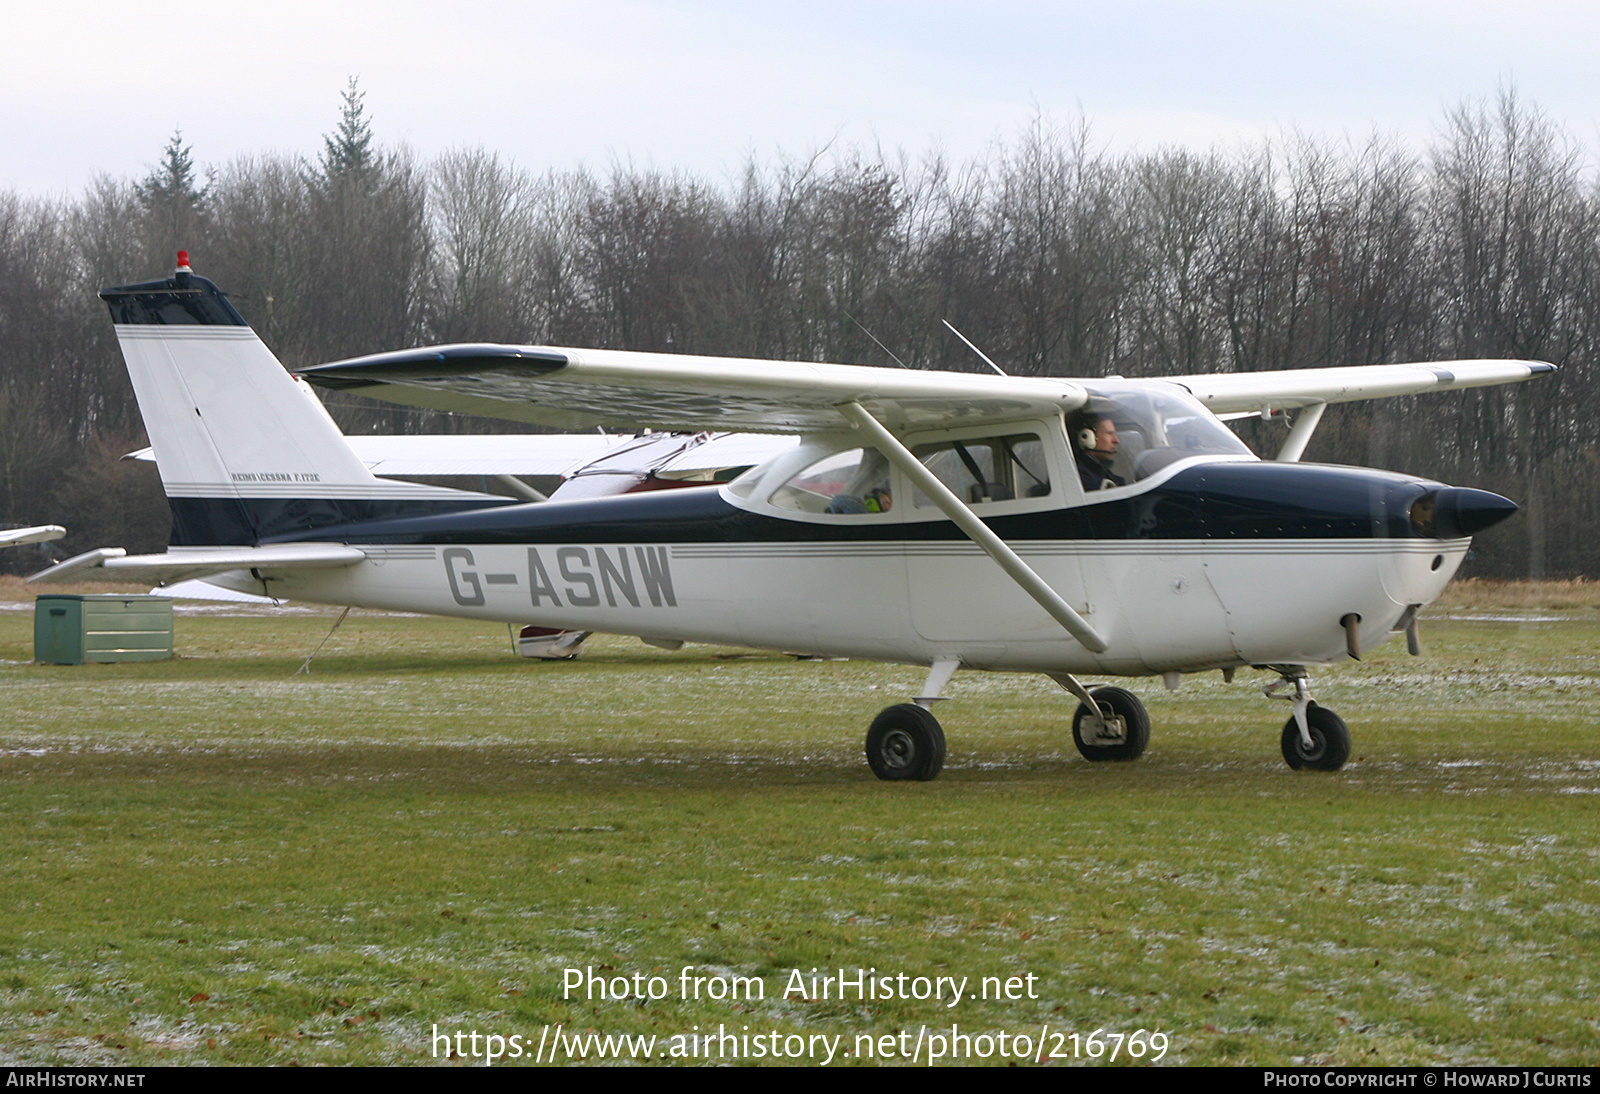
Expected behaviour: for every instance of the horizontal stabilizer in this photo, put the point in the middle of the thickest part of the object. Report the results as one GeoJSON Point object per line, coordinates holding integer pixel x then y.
{"type": "Point", "coordinates": [192, 562]}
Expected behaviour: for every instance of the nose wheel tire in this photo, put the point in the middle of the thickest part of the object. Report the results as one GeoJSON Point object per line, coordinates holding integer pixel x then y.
{"type": "Point", "coordinates": [1330, 741]}
{"type": "Point", "coordinates": [1129, 744]}
{"type": "Point", "coordinates": [905, 742]}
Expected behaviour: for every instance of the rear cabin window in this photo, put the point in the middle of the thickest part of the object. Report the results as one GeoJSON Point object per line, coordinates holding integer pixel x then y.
{"type": "Point", "coordinates": [987, 469]}
{"type": "Point", "coordinates": [855, 481]}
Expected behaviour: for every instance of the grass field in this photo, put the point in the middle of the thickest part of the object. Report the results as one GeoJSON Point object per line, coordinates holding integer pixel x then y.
{"type": "Point", "coordinates": [214, 860]}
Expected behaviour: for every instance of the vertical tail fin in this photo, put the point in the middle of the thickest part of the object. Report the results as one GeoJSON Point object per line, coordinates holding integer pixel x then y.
{"type": "Point", "coordinates": [246, 454]}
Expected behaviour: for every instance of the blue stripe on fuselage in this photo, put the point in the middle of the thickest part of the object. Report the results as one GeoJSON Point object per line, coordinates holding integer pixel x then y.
{"type": "Point", "coordinates": [1229, 501]}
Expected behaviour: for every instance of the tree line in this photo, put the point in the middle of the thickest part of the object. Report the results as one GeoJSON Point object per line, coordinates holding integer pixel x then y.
{"type": "Point", "coordinates": [1055, 255]}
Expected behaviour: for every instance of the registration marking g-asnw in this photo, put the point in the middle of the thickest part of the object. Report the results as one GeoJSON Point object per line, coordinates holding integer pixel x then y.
{"type": "Point", "coordinates": [578, 577]}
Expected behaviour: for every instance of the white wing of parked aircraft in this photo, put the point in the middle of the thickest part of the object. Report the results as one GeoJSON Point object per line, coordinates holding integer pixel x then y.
{"type": "Point", "coordinates": [199, 589]}
{"type": "Point", "coordinates": [43, 533]}
{"type": "Point", "coordinates": [480, 453]}
{"type": "Point", "coordinates": [468, 453]}
{"type": "Point", "coordinates": [533, 454]}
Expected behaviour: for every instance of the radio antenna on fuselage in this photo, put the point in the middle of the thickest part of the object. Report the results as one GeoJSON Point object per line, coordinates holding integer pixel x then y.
{"type": "Point", "coordinates": [972, 347]}
{"type": "Point", "coordinates": [875, 341]}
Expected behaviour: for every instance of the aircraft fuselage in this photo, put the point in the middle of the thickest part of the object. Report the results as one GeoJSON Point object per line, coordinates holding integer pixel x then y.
{"type": "Point", "coordinates": [1206, 565]}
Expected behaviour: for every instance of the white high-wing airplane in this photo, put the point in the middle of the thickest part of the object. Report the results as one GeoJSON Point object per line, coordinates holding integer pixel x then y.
{"type": "Point", "coordinates": [1065, 527]}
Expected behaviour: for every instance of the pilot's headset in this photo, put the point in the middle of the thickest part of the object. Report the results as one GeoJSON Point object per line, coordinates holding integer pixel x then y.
{"type": "Point", "coordinates": [1084, 434]}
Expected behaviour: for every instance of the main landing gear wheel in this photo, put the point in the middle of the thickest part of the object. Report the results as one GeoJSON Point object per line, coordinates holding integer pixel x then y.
{"type": "Point", "coordinates": [1330, 741]}
{"type": "Point", "coordinates": [1111, 740]}
{"type": "Point", "coordinates": [905, 742]}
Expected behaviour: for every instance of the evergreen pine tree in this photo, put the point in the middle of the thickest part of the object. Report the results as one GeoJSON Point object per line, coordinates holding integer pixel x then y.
{"type": "Point", "coordinates": [348, 152]}
{"type": "Point", "coordinates": [173, 203]}
{"type": "Point", "coordinates": [172, 184]}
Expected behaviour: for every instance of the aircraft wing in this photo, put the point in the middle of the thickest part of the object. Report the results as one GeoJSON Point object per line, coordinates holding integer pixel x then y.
{"type": "Point", "coordinates": [200, 589]}
{"type": "Point", "coordinates": [579, 388]}
{"type": "Point", "coordinates": [576, 388]}
{"type": "Point", "coordinates": [480, 454]}
{"type": "Point", "coordinates": [1235, 392]}
{"type": "Point", "coordinates": [182, 563]}
{"type": "Point", "coordinates": [44, 533]}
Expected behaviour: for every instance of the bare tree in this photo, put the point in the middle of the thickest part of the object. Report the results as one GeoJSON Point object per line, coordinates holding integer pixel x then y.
{"type": "Point", "coordinates": [1056, 256]}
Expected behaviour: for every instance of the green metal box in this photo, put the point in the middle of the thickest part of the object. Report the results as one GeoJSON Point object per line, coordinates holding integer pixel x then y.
{"type": "Point", "coordinates": [69, 630]}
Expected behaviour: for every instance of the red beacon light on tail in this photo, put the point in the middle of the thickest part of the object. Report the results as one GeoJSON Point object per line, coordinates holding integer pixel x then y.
{"type": "Point", "coordinates": [183, 262]}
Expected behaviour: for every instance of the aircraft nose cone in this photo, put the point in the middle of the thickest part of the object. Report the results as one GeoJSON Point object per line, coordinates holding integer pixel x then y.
{"type": "Point", "coordinates": [1458, 511]}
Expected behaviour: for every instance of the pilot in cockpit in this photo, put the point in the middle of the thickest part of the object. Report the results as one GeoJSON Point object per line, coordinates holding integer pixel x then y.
{"type": "Point", "coordinates": [1094, 443]}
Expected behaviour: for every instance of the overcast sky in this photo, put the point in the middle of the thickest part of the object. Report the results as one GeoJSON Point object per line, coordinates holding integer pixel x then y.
{"type": "Point", "coordinates": [97, 87]}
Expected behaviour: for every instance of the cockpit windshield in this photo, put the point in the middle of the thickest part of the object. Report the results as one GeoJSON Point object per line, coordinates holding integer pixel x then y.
{"type": "Point", "coordinates": [1153, 429]}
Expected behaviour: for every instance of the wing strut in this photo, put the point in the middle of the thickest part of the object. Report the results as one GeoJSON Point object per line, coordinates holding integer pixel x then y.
{"type": "Point", "coordinates": [1305, 424]}
{"type": "Point", "coordinates": [979, 532]}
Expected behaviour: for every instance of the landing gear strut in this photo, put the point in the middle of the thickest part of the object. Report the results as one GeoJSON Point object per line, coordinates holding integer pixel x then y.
{"type": "Point", "coordinates": [1314, 737]}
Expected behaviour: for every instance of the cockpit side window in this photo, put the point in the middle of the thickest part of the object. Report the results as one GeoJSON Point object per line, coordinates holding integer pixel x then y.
{"type": "Point", "coordinates": [854, 481]}
{"type": "Point", "coordinates": [1128, 433]}
{"type": "Point", "coordinates": [986, 469]}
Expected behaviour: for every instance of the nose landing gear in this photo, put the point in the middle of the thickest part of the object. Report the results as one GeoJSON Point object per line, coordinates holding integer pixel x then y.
{"type": "Point", "coordinates": [1314, 737]}
{"type": "Point", "coordinates": [1109, 724]}
{"type": "Point", "coordinates": [1119, 729]}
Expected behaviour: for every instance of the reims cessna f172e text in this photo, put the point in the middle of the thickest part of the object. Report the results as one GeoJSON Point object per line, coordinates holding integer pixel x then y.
{"type": "Point", "coordinates": [1068, 527]}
